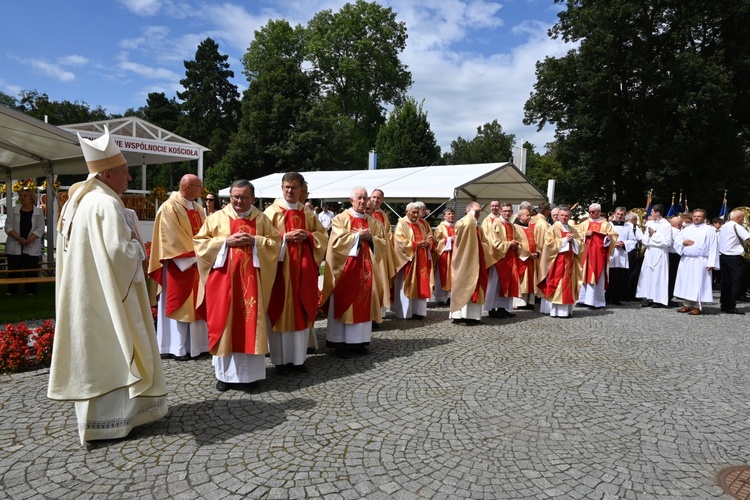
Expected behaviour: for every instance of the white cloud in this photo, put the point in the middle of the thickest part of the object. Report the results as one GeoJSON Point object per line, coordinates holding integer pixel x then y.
{"type": "Point", "coordinates": [147, 71]}
{"type": "Point", "coordinates": [464, 91]}
{"type": "Point", "coordinates": [50, 69]}
{"type": "Point", "coordinates": [143, 7]}
{"type": "Point", "coordinates": [73, 60]}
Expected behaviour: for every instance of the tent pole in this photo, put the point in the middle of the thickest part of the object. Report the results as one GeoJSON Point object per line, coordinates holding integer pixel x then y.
{"type": "Point", "coordinates": [51, 208]}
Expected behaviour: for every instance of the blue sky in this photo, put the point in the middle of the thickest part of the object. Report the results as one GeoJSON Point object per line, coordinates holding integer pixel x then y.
{"type": "Point", "coordinates": [472, 61]}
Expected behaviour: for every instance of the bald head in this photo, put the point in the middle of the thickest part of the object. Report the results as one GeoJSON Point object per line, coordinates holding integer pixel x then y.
{"type": "Point", "coordinates": [737, 216]}
{"type": "Point", "coordinates": [676, 221]}
{"type": "Point", "coordinates": [190, 187]}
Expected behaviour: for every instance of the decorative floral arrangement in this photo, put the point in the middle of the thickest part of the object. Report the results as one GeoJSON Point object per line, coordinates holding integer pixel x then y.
{"type": "Point", "coordinates": [159, 192]}
{"type": "Point", "coordinates": [55, 185]}
{"type": "Point", "coordinates": [21, 348]}
{"type": "Point", "coordinates": [24, 184]}
{"type": "Point", "coordinates": [3, 188]}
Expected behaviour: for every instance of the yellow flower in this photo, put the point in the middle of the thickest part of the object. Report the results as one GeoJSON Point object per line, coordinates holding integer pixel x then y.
{"type": "Point", "coordinates": [159, 192]}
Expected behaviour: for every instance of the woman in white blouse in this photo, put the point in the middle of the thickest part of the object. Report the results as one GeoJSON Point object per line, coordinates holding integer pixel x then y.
{"type": "Point", "coordinates": [25, 228]}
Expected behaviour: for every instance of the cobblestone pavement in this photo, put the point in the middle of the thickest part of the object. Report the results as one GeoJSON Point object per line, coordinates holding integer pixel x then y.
{"type": "Point", "coordinates": [620, 403]}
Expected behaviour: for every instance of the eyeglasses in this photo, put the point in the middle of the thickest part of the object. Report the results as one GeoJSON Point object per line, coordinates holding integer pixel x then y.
{"type": "Point", "coordinates": [210, 199]}
{"type": "Point", "coordinates": [240, 198]}
{"type": "Point", "coordinates": [594, 211]}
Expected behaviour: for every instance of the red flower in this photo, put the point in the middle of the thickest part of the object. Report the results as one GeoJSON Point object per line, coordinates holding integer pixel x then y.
{"type": "Point", "coordinates": [14, 348]}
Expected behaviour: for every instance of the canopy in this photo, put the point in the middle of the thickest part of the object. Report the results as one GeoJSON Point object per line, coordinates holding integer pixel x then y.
{"type": "Point", "coordinates": [32, 148]}
{"type": "Point", "coordinates": [481, 182]}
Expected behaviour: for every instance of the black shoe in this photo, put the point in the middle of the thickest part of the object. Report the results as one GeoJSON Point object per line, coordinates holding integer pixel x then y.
{"type": "Point", "coordinates": [448, 302]}
{"type": "Point", "coordinates": [310, 350]}
{"type": "Point", "coordinates": [527, 307]}
{"type": "Point", "coordinates": [342, 352]}
{"type": "Point", "coordinates": [186, 357]}
{"type": "Point", "coordinates": [283, 370]}
{"type": "Point", "coordinates": [360, 350]}
{"type": "Point", "coordinates": [648, 303]}
{"type": "Point", "coordinates": [658, 305]}
{"type": "Point", "coordinates": [222, 386]}
{"type": "Point", "coordinates": [300, 368]}
{"type": "Point", "coordinates": [418, 317]}
{"type": "Point", "coordinates": [166, 355]}
{"type": "Point", "coordinates": [500, 314]}
{"type": "Point", "coordinates": [734, 311]}
{"type": "Point", "coordinates": [615, 302]}
{"type": "Point", "coordinates": [672, 303]}
{"type": "Point", "coordinates": [743, 299]}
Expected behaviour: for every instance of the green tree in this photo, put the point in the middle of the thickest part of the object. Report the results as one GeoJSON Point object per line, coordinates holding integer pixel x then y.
{"type": "Point", "coordinates": [490, 145]}
{"type": "Point", "coordinates": [162, 112]}
{"type": "Point", "coordinates": [273, 108]}
{"type": "Point", "coordinates": [355, 57]}
{"type": "Point", "coordinates": [59, 112]}
{"type": "Point", "coordinates": [651, 98]}
{"type": "Point", "coordinates": [406, 140]}
{"type": "Point", "coordinates": [8, 101]}
{"type": "Point", "coordinates": [211, 102]}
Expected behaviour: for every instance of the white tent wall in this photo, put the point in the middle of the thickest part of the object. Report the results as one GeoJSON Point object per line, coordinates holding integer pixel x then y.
{"type": "Point", "coordinates": [435, 184]}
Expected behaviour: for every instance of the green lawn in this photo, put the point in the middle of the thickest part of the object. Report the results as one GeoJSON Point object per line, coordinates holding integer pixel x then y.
{"type": "Point", "coordinates": [21, 307]}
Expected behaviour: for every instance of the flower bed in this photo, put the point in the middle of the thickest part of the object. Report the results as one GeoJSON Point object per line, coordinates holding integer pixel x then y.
{"type": "Point", "coordinates": [22, 348]}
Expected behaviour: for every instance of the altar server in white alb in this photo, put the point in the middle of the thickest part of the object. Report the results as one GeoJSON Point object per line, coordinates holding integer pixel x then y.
{"type": "Point", "coordinates": [105, 358]}
{"type": "Point", "coordinates": [698, 247]}
{"type": "Point", "coordinates": [653, 283]}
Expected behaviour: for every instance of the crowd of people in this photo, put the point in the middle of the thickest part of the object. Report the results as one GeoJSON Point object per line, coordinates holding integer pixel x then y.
{"type": "Point", "coordinates": [243, 284]}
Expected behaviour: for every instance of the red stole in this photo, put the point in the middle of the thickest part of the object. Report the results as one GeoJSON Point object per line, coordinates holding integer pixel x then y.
{"type": "Point", "coordinates": [560, 274]}
{"type": "Point", "coordinates": [442, 263]}
{"type": "Point", "coordinates": [354, 287]}
{"type": "Point", "coordinates": [303, 276]}
{"type": "Point", "coordinates": [507, 267]}
{"type": "Point", "coordinates": [527, 266]}
{"type": "Point", "coordinates": [379, 215]}
{"type": "Point", "coordinates": [180, 284]}
{"type": "Point", "coordinates": [596, 255]}
{"type": "Point", "coordinates": [484, 276]}
{"type": "Point", "coordinates": [235, 283]}
{"type": "Point", "coordinates": [423, 265]}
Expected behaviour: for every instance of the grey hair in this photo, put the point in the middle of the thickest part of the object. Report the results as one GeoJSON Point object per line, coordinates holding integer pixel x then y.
{"type": "Point", "coordinates": [412, 205]}
{"type": "Point", "coordinates": [357, 188]}
{"type": "Point", "coordinates": [527, 205]}
{"type": "Point", "coordinates": [595, 206]}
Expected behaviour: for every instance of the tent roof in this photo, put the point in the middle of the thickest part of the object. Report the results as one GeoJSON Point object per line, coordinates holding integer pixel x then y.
{"type": "Point", "coordinates": [27, 145]}
{"type": "Point", "coordinates": [436, 184]}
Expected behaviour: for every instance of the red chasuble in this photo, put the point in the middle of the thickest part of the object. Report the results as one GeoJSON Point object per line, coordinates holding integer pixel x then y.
{"type": "Point", "coordinates": [304, 276]}
{"type": "Point", "coordinates": [560, 274]}
{"type": "Point", "coordinates": [354, 287]}
{"type": "Point", "coordinates": [595, 256]}
{"type": "Point", "coordinates": [180, 284]}
{"type": "Point", "coordinates": [484, 275]}
{"type": "Point", "coordinates": [235, 283]}
{"type": "Point", "coordinates": [423, 265]}
{"type": "Point", "coordinates": [443, 263]}
{"type": "Point", "coordinates": [507, 267]}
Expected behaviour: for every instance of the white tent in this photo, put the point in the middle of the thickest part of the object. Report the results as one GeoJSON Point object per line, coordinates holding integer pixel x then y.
{"type": "Point", "coordinates": [32, 148]}
{"type": "Point", "coordinates": [437, 184]}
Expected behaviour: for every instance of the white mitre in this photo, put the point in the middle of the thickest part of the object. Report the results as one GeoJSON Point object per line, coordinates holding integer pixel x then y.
{"type": "Point", "coordinates": [102, 153]}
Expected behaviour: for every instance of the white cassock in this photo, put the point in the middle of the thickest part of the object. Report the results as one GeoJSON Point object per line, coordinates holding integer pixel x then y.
{"type": "Point", "coordinates": [654, 279]}
{"type": "Point", "coordinates": [694, 279]}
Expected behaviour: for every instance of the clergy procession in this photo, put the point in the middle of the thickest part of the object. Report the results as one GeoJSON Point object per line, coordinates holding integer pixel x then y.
{"type": "Point", "coordinates": [244, 285]}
